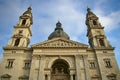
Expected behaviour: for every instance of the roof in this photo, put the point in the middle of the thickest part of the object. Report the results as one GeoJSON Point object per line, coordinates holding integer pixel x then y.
{"type": "Point", "coordinates": [58, 32]}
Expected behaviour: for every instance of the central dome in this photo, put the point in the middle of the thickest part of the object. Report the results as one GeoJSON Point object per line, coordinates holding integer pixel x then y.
{"type": "Point", "coordinates": [58, 32]}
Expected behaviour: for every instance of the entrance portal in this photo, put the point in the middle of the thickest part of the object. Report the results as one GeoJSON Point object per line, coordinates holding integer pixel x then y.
{"type": "Point", "coordinates": [60, 70]}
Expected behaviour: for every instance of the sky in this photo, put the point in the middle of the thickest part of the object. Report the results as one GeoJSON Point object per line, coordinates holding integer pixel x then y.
{"type": "Point", "coordinates": [71, 13]}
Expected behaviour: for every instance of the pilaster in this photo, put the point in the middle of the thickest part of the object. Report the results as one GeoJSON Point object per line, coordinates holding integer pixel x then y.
{"type": "Point", "coordinates": [41, 68]}
{"type": "Point", "coordinates": [34, 70]}
{"type": "Point", "coordinates": [86, 70]}
{"type": "Point", "coordinates": [78, 71]}
{"type": "Point", "coordinates": [82, 67]}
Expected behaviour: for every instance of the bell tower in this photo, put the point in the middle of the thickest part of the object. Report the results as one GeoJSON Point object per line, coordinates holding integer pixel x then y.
{"type": "Point", "coordinates": [22, 30]}
{"type": "Point", "coordinates": [95, 31]}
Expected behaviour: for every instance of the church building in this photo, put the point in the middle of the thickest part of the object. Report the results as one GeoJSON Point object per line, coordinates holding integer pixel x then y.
{"type": "Point", "coordinates": [59, 57]}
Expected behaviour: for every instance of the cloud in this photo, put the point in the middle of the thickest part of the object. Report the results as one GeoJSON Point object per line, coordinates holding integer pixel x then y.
{"type": "Point", "coordinates": [109, 21]}
{"type": "Point", "coordinates": [46, 13]}
{"type": "Point", "coordinates": [73, 21]}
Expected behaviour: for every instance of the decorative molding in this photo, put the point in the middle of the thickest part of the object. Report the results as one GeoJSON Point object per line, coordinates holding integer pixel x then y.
{"type": "Point", "coordinates": [16, 48]}
{"type": "Point", "coordinates": [59, 42]}
{"type": "Point", "coordinates": [104, 48]}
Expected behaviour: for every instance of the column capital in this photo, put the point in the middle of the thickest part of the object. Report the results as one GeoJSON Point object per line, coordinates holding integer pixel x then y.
{"type": "Point", "coordinates": [35, 57]}
{"type": "Point", "coordinates": [85, 55]}
{"type": "Point", "coordinates": [38, 56]}
{"type": "Point", "coordinates": [77, 55]}
{"type": "Point", "coordinates": [81, 56]}
{"type": "Point", "coordinates": [72, 71]}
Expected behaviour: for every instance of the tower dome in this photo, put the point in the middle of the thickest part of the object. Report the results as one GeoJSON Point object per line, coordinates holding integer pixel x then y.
{"type": "Point", "coordinates": [58, 32]}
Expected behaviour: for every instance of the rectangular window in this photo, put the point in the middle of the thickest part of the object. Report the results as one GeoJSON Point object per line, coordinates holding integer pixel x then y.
{"type": "Point", "coordinates": [101, 42]}
{"type": "Point", "coordinates": [107, 63]}
{"type": "Point", "coordinates": [10, 63]}
{"type": "Point", "coordinates": [92, 64]}
{"type": "Point", "coordinates": [26, 64]}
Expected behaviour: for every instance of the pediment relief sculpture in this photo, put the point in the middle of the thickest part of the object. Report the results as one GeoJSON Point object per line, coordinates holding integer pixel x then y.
{"type": "Point", "coordinates": [59, 43]}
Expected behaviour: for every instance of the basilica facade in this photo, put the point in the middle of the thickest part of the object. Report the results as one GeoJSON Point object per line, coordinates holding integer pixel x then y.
{"type": "Point", "coordinates": [59, 57]}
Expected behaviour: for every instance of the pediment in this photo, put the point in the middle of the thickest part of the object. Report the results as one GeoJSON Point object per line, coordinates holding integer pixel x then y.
{"type": "Point", "coordinates": [23, 77]}
{"type": "Point", "coordinates": [111, 75]}
{"type": "Point", "coordinates": [59, 43]}
{"type": "Point", "coordinates": [6, 76]}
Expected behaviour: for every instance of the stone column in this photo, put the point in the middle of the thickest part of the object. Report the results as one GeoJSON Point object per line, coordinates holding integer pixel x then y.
{"type": "Point", "coordinates": [49, 76]}
{"type": "Point", "coordinates": [72, 71]}
{"type": "Point", "coordinates": [71, 77]}
{"type": "Point", "coordinates": [78, 72]}
{"type": "Point", "coordinates": [48, 73]}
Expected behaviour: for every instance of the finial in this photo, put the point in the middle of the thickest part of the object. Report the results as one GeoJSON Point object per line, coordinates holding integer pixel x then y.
{"type": "Point", "coordinates": [88, 9]}
{"type": "Point", "coordinates": [29, 8]}
{"type": "Point", "coordinates": [58, 25]}
{"type": "Point", "coordinates": [58, 22]}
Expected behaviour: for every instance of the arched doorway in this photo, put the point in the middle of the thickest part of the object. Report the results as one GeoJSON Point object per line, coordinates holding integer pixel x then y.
{"type": "Point", "coordinates": [60, 70]}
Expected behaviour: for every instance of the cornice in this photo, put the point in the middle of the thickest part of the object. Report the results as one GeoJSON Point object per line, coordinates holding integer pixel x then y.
{"type": "Point", "coordinates": [104, 48]}
{"type": "Point", "coordinates": [16, 48]}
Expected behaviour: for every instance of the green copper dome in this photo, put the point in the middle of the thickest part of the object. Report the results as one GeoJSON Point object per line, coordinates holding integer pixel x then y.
{"type": "Point", "coordinates": [58, 32]}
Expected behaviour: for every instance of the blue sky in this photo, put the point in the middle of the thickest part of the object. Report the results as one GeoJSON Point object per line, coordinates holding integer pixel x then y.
{"type": "Point", "coordinates": [71, 13]}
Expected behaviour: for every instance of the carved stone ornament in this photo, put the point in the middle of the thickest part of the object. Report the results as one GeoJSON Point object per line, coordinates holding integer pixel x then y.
{"type": "Point", "coordinates": [59, 42]}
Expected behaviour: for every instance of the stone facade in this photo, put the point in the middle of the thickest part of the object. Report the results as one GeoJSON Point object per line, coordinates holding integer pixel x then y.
{"type": "Point", "coordinates": [58, 58]}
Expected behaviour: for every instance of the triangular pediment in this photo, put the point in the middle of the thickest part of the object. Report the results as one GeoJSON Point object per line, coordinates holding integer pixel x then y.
{"type": "Point", "coordinates": [6, 76]}
{"type": "Point", "coordinates": [59, 43]}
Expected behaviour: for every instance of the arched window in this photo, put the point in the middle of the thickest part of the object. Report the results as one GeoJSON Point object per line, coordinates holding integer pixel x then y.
{"type": "Point", "coordinates": [94, 22]}
{"type": "Point", "coordinates": [17, 41]}
{"type": "Point", "coordinates": [24, 22]}
{"type": "Point", "coordinates": [101, 42]}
